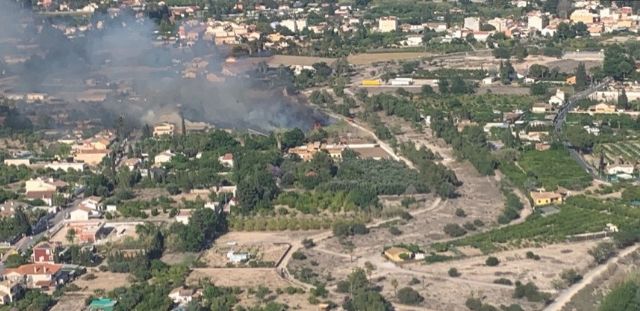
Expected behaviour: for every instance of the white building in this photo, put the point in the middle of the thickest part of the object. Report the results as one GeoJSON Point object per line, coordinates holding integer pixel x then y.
{"type": "Point", "coordinates": [181, 296]}
{"type": "Point", "coordinates": [17, 162]}
{"type": "Point", "coordinates": [66, 166]}
{"type": "Point", "coordinates": [387, 24]}
{"type": "Point", "coordinates": [295, 25]}
{"type": "Point", "coordinates": [620, 169]}
{"type": "Point", "coordinates": [79, 214]}
{"type": "Point", "coordinates": [226, 160]}
{"type": "Point", "coordinates": [537, 22]}
{"type": "Point", "coordinates": [183, 216]}
{"type": "Point", "coordinates": [237, 257]}
{"type": "Point", "coordinates": [163, 157]}
{"type": "Point", "coordinates": [472, 23]}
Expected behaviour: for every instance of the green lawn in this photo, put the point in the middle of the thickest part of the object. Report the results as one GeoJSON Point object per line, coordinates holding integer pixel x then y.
{"type": "Point", "coordinates": [553, 168]}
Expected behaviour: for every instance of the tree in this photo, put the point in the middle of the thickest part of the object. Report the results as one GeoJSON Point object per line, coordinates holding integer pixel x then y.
{"type": "Point", "coordinates": [623, 101]}
{"type": "Point", "coordinates": [14, 261]}
{"type": "Point", "coordinates": [602, 252]}
{"type": "Point", "coordinates": [506, 72]}
{"type": "Point", "coordinates": [538, 72]}
{"type": "Point", "coordinates": [579, 138]}
{"type": "Point", "coordinates": [492, 261]}
{"type": "Point", "coordinates": [292, 138]}
{"type": "Point", "coordinates": [581, 77]}
{"type": "Point", "coordinates": [443, 86]}
{"type": "Point", "coordinates": [409, 296]}
{"type": "Point", "coordinates": [71, 235]}
{"type": "Point", "coordinates": [617, 62]}
{"type": "Point", "coordinates": [501, 52]}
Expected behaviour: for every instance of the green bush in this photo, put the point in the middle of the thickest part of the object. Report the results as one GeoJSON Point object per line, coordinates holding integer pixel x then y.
{"type": "Point", "coordinates": [453, 272]}
{"type": "Point", "coordinates": [409, 296]}
{"type": "Point", "coordinates": [454, 230]}
{"type": "Point", "coordinates": [492, 261]}
{"type": "Point", "coordinates": [298, 256]}
{"type": "Point", "coordinates": [503, 281]}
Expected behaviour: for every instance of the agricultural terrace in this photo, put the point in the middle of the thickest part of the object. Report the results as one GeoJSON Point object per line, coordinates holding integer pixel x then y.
{"type": "Point", "coordinates": [627, 151]}
{"type": "Point", "coordinates": [578, 215]}
{"type": "Point", "coordinates": [480, 108]}
{"type": "Point", "coordinates": [549, 169]}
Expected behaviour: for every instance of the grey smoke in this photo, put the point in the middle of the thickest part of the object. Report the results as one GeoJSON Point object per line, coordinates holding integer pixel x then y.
{"type": "Point", "coordinates": [124, 53]}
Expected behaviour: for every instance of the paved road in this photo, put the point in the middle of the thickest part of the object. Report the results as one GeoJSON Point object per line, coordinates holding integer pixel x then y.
{"type": "Point", "coordinates": [568, 294]}
{"type": "Point", "coordinates": [561, 118]}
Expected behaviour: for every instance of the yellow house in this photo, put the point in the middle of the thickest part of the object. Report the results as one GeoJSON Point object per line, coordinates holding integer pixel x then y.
{"type": "Point", "coordinates": [602, 108]}
{"type": "Point", "coordinates": [542, 198]}
{"type": "Point", "coordinates": [396, 254]}
{"type": "Point", "coordinates": [571, 80]}
{"type": "Point", "coordinates": [583, 16]}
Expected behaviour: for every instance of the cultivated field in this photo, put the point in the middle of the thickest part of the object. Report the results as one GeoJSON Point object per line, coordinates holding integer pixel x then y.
{"type": "Point", "coordinates": [620, 152]}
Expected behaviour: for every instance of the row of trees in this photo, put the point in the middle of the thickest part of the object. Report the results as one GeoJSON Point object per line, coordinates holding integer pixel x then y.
{"type": "Point", "coordinates": [470, 144]}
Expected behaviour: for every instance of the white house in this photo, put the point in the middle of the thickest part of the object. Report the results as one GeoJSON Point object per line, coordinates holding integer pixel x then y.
{"type": "Point", "coordinates": [226, 160]}
{"type": "Point", "coordinates": [163, 157]}
{"type": "Point", "coordinates": [66, 166]}
{"type": "Point", "coordinates": [183, 216]}
{"type": "Point", "coordinates": [237, 257]}
{"type": "Point", "coordinates": [557, 99]}
{"type": "Point", "coordinates": [91, 203]}
{"type": "Point", "coordinates": [79, 214]}
{"type": "Point", "coordinates": [181, 296]}
{"type": "Point", "coordinates": [620, 169]}
{"type": "Point", "coordinates": [17, 162]}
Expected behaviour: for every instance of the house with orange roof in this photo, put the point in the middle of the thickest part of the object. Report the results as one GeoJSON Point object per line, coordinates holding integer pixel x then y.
{"type": "Point", "coordinates": [36, 275]}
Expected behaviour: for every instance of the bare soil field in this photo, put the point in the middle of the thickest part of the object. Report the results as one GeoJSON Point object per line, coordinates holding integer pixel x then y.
{"type": "Point", "coordinates": [369, 58]}
{"type": "Point", "coordinates": [515, 266]}
{"type": "Point", "coordinates": [588, 298]}
{"type": "Point", "coordinates": [216, 257]}
{"type": "Point", "coordinates": [106, 281]}
{"type": "Point", "coordinates": [291, 60]}
{"type": "Point", "coordinates": [70, 301]}
{"type": "Point", "coordinates": [239, 277]}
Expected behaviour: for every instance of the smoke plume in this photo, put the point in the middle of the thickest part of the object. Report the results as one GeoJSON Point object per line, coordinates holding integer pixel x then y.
{"type": "Point", "coordinates": [141, 77]}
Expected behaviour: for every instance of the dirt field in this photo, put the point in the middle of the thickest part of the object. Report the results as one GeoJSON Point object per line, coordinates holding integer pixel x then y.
{"type": "Point", "coordinates": [216, 257]}
{"type": "Point", "coordinates": [106, 281]}
{"type": "Point", "coordinates": [589, 298]}
{"type": "Point", "coordinates": [70, 302]}
{"type": "Point", "coordinates": [239, 277]}
{"type": "Point", "coordinates": [369, 58]}
{"type": "Point", "coordinates": [290, 60]}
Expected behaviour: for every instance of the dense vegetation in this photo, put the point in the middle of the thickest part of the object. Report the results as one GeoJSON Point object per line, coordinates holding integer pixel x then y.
{"type": "Point", "coordinates": [624, 297]}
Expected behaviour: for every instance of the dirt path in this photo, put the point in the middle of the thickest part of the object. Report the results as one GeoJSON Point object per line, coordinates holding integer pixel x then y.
{"type": "Point", "coordinates": [567, 295]}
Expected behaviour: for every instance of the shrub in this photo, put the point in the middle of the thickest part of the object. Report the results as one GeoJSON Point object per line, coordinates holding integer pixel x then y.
{"type": "Point", "coordinates": [453, 272]}
{"type": "Point", "coordinates": [474, 304]}
{"type": "Point", "coordinates": [602, 252]}
{"type": "Point", "coordinates": [531, 255]}
{"type": "Point", "coordinates": [492, 261]}
{"type": "Point", "coordinates": [469, 226]}
{"type": "Point", "coordinates": [460, 213]}
{"type": "Point", "coordinates": [409, 296]}
{"type": "Point", "coordinates": [454, 230]}
{"type": "Point", "coordinates": [571, 276]}
{"type": "Point", "coordinates": [503, 281]}
{"type": "Point", "coordinates": [529, 291]}
{"type": "Point", "coordinates": [478, 223]}
{"type": "Point", "coordinates": [414, 281]}
{"type": "Point", "coordinates": [298, 256]}
{"type": "Point", "coordinates": [308, 243]}
{"type": "Point", "coordinates": [433, 258]}
{"type": "Point", "coordinates": [395, 231]}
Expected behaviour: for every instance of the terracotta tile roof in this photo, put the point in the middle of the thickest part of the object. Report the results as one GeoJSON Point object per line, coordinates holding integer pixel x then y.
{"type": "Point", "coordinates": [35, 268]}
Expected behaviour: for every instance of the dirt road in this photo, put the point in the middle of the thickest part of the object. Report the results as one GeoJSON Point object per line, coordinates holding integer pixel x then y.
{"type": "Point", "coordinates": [567, 295]}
